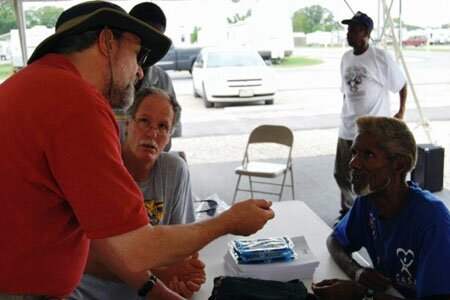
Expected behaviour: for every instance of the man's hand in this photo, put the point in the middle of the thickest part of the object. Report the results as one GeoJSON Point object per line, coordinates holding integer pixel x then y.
{"type": "Point", "coordinates": [337, 289]}
{"type": "Point", "coordinates": [247, 217]}
{"type": "Point", "coordinates": [402, 94]}
{"type": "Point", "coordinates": [184, 278]}
{"type": "Point", "coordinates": [185, 288]}
{"type": "Point", "coordinates": [372, 279]}
{"type": "Point", "coordinates": [161, 291]}
{"type": "Point", "coordinates": [399, 114]}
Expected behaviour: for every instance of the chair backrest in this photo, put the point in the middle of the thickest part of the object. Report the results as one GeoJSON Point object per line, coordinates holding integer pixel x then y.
{"type": "Point", "coordinates": [272, 134]}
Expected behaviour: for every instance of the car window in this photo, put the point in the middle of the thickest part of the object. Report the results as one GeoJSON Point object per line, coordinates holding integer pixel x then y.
{"type": "Point", "coordinates": [233, 59]}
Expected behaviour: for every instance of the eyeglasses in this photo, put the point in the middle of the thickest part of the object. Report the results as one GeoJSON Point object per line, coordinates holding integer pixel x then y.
{"type": "Point", "coordinates": [143, 53]}
{"type": "Point", "coordinates": [212, 207]}
{"type": "Point", "coordinates": [142, 56]}
{"type": "Point", "coordinates": [146, 124]}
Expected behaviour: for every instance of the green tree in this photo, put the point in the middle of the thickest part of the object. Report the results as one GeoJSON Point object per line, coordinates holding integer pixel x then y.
{"type": "Point", "coordinates": [238, 18]}
{"type": "Point", "coordinates": [314, 18]}
{"type": "Point", "coordinates": [194, 34]}
{"type": "Point", "coordinates": [45, 16]}
{"type": "Point", "coordinates": [300, 21]}
{"type": "Point", "coordinates": [7, 17]}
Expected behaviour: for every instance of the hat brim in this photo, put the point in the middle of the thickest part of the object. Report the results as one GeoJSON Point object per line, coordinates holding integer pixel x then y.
{"type": "Point", "coordinates": [349, 21]}
{"type": "Point", "coordinates": [156, 42]}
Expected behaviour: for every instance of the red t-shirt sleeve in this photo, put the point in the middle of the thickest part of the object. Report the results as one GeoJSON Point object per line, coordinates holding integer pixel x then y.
{"type": "Point", "coordinates": [85, 158]}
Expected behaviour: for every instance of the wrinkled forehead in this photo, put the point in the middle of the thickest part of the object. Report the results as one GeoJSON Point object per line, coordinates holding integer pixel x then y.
{"type": "Point", "coordinates": [156, 102]}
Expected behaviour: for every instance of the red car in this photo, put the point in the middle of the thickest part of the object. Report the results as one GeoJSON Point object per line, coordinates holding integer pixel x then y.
{"type": "Point", "coordinates": [415, 41]}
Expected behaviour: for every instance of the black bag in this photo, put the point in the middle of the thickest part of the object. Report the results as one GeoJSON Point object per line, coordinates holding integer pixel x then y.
{"type": "Point", "coordinates": [237, 288]}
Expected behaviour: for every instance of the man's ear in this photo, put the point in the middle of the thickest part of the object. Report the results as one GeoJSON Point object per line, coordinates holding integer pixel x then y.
{"type": "Point", "coordinates": [105, 41]}
{"type": "Point", "coordinates": [399, 165]}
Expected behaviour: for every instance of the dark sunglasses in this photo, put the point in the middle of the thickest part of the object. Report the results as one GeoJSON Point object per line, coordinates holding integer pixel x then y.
{"type": "Point", "coordinates": [142, 56]}
{"type": "Point", "coordinates": [212, 207]}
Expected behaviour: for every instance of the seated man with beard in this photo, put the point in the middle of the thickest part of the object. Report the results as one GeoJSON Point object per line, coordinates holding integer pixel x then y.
{"type": "Point", "coordinates": [405, 230]}
{"type": "Point", "coordinates": [164, 181]}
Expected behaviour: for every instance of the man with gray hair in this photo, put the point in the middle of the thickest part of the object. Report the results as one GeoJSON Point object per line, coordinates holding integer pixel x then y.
{"type": "Point", "coordinates": [405, 230]}
{"type": "Point", "coordinates": [368, 74]}
{"type": "Point", "coordinates": [164, 180]}
{"type": "Point", "coordinates": [154, 76]}
{"type": "Point", "coordinates": [64, 184]}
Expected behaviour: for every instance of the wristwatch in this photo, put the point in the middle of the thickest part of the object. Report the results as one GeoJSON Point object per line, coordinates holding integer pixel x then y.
{"type": "Point", "coordinates": [148, 286]}
{"type": "Point", "coordinates": [370, 295]}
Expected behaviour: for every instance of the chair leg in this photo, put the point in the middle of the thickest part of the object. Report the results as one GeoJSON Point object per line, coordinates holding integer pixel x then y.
{"type": "Point", "coordinates": [282, 185]}
{"type": "Point", "coordinates": [292, 183]}
{"type": "Point", "coordinates": [236, 190]}
{"type": "Point", "coordinates": [251, 186]}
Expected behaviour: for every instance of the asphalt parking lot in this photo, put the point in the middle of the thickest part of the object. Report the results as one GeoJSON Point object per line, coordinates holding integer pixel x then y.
{"type": "Point", "coordinates": [308, 101]}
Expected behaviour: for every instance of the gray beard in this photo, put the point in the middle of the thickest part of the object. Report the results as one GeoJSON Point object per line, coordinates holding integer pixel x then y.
{"type": "Point", "coordinates": [367, 190]}
{"type": "Point", "coordinates": [121, 98]}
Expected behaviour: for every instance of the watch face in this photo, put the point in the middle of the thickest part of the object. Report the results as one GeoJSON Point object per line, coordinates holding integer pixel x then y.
{"type": "Point", "coordinates": [369, 295]}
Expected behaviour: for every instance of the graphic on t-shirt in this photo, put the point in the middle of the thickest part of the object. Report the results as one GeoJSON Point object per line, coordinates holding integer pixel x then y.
{"type": "Point", "coordinates": [406, 259]}
{"type": "Point", "coordinates": [373, 228]}
{"type": "Point", "coordinates": [155, 210]}
{"type": "Point", "coordinates": [354, 76]}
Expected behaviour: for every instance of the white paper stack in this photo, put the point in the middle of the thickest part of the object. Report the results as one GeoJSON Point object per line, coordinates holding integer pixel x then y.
{"type": "Point", "coordinates": [300, 268]}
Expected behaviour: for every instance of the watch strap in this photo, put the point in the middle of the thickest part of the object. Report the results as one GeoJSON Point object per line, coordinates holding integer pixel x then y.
{"type": "Point", "coordinates": [370, 294]}
{"type": "Point", "coordinates": [148, 286]}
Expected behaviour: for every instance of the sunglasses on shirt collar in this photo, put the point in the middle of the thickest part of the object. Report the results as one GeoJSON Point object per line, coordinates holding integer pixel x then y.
{"type": "Point", "coordinates": [212, 207]}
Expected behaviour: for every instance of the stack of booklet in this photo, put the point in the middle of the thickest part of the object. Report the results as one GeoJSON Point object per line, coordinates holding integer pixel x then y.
{"type": "Point", "coordinates": [292, 260]}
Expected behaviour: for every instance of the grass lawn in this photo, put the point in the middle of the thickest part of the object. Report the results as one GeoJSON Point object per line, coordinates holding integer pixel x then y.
{"type": "Point", "coordinates": [299, 61]}
{"type": "Point", "coordinates": [5, 71]}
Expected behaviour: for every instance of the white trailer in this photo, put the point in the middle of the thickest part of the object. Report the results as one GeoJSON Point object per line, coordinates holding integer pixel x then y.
{"type": "Point", "coordinates": [34, 36]}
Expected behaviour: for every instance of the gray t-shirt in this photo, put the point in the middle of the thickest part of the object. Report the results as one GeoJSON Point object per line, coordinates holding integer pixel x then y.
{"type": "Point", "coordinates": [168, 199]}
{"type": "Point", "coordinates": [167, 192]}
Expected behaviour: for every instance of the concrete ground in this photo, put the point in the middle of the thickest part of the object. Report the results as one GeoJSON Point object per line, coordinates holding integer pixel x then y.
{"type": "Point", "coordinates": [212, 160]}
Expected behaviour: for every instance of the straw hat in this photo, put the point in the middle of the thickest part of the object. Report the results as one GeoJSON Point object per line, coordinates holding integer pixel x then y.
{"type": "Point", "coordinates": [93, 15]}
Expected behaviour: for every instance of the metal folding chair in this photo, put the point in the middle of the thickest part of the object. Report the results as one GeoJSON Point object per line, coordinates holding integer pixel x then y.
{"type": "Point", "coordinates": [268, 170]}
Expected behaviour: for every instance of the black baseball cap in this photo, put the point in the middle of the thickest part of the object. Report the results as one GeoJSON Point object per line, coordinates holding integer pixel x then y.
{"type": "Point", "coordinates": [360, 18]}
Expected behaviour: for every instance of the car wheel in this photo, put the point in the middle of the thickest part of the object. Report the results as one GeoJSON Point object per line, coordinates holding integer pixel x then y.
{"type": "Point", "coordinates": [208, 104]}
{"type": "Point", "coordinates": [268, 102]}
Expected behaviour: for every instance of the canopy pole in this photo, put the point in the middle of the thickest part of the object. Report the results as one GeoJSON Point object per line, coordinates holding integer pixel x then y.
{"type": "Point", "coordinates": [425, 124]}
{"type": "Point", "coordinates": [20, 17]}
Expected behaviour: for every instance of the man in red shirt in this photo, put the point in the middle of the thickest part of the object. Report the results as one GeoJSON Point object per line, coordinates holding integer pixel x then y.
{"type": "Point", "coordinates": [64, 182]}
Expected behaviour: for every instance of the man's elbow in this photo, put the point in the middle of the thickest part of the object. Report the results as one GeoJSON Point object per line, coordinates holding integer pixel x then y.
{"type": "Point", "coordinates": [334, 246]}
{"type": "Point", "coordinates": [127, 251]}
{"type": "Point", "coordinates": [331, 240]}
